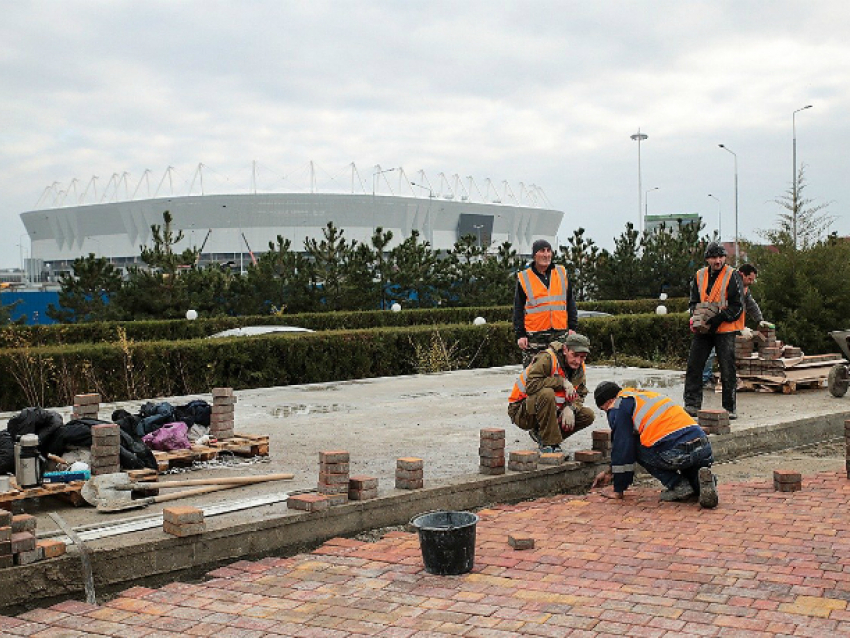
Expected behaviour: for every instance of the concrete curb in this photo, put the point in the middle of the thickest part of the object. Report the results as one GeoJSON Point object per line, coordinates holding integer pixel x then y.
{"type": "Point", "coordinates": [155, 555]}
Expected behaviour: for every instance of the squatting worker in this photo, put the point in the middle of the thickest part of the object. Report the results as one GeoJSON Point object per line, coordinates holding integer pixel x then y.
{"type": "Point", "coordinates": [544, 307]}
{"type": "Point", "coordinates": [721, 284]}
{"type": "Point", "coordinates": [650, 429]}
{"type": "Point", "coordinates": [548, 397]}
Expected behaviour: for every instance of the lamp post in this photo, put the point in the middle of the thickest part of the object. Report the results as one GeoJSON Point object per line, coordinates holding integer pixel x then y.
{"type": "Point", "coordinates": [639, 137]}
{"type": "Point", "coordinates": [794, 173]}
{"type": "Point", "coordinates": [646, 204]}
{"type": "Point", "coordinates": [728, 150]}
{"type": "Point", "coordinates": [719, 236]}
{"type": "Point", "coordinates": [478, 227]}
{"type": "Point", "coordinates": [429, 223]}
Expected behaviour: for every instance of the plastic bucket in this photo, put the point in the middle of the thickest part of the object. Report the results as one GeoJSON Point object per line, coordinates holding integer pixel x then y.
{"type": "Point", "coordinates": [447, 541]}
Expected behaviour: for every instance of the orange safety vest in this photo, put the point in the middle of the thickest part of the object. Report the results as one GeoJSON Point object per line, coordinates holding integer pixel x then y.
{"type": "Point", "coordinates": [718, 294]}
{"type": "Point", "coordinates": [519, 393]}
{"type": "Point", "coordinates": [655, 415]}
{"type": "Point", "coordinates": [545, 309]}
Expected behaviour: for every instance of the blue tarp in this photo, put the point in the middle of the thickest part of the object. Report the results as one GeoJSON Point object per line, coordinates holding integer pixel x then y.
{"type": "Point", "coordinates": [33, 305]}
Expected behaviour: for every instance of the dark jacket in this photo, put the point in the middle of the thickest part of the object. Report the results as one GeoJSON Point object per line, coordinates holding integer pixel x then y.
{"type": "Point", "coordinates": [519, 304]}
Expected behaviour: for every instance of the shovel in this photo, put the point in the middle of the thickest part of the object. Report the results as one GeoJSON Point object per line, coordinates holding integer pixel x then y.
{"type": "Point", "coordinates": [111, 492]}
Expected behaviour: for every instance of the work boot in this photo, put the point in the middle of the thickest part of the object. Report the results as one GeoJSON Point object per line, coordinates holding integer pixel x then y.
{"type": "Point", "coordinates": [707, 488]}
{"type": "Point", "coordinates": [733, 415]}
{"type": "Point", "coordinates": [550, 449]}
{"type": "Point", "coordinates": [680, 492]}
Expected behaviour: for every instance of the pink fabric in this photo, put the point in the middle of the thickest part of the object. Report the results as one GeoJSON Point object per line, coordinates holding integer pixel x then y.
{"type": "Point", "coordinates": [171, 436]}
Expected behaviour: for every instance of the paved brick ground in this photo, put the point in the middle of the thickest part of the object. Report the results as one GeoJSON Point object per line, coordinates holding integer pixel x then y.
{"type": "Point", "coordinates": [764, 563]}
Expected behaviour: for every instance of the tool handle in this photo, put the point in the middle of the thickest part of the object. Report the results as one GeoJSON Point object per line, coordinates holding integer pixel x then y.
{"type": "Point", "coordinates": [177, 495]}
{"type": "Point", "coordinates": [232, 480]}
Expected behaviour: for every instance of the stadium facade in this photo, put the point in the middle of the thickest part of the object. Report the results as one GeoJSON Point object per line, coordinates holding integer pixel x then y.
{"type": "Point", "coordinates": [231, 226]}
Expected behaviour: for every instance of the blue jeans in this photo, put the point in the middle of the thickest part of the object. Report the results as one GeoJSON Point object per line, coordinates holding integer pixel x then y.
{"type": "Point", "coordinates": [672, 464]}
{"type": "Point", "coordinates": [709, 368]}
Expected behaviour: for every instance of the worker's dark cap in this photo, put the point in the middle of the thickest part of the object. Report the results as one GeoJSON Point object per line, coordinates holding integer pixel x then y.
{"type": "Point", "coordinates": [715, 249]}
{"type": "Point", "coordinates": [604, 392]}
{"type": "Point", "coordinates": [577, 342]}
{"type": "Point", "coordinates": [539, 245]}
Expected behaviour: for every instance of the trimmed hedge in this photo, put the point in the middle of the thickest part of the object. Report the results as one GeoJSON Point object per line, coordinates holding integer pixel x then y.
{"type": "Point", "coordinates": [52, 375]}
{"type": "Point", "coordinates": [180, 329]}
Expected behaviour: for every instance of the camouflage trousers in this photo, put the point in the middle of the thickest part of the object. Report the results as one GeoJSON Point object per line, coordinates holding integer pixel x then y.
{"type": "Point", "coordinates": [538, 342]}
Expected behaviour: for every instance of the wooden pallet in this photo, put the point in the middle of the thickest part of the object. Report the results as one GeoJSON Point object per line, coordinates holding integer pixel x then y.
{"type": "Point", "coordinates": [239, 445]}
{"type": "Point", "coordinates": [785, 386]}
{"type": "Point", "coordinates": [68, 491]}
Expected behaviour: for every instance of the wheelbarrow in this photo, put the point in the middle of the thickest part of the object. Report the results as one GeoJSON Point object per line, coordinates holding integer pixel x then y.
{"type": "Point", "coordinates": [839, 374]}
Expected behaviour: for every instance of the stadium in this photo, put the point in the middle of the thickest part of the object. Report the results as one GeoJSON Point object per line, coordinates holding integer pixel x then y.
{"type": "Point", "coordinates": [233, 227]}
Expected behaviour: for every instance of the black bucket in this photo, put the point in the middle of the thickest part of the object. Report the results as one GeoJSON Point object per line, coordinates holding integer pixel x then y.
{"type": "Point", "coordinates": [447, 540]}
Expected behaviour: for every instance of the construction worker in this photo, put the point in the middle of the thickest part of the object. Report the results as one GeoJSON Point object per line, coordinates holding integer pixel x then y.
{"type": "Point", "coordinates": [648, 428]}
{"type": "Point", "coordinates": [721, 284]}
{"type": "Point", "coordinates": [544, 307]}
{"type": "Point", "coordinates": [548, 397]}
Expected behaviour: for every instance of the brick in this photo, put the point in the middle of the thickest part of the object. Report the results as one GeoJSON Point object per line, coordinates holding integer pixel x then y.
{"type": "Point", "coordinates": [29, 557]}
{"type": "Point", "coordinates": [186, 529]}
{"type": "Point", "coordinates": [51, 548]}
{"type": "Point", "coordinates": [222, 392]}
{"type": "Point", "coordinates": [6, 533]}
{"type": "Point", "coordinates": [492, 461]}
{"type": "Point", "coordinates": [787, 476]}
{"type": "Point", "coordinates": [601, 435]}
{"type": "Point", "coordinates": [410, 475]}
{"type": "Point", "coordinates": [589, 456]}
{"type": "Point", "coordinates": [787, 487]}
{"type": "Point", "coordinates": [341, 488]}
{"type": "Point", "coordinates": [519, 541]}
{"type": "Point", "coordinates": [86, 399]}
{"type": "Point", "coordinates": [491, 471]}
{"type": "Point", "coordinates": [5, 518]}
{"type": "Point", "coordinates": [601, 446]}
{"type": "Point", "coordinates": [338, 499]}
{"type": "Point", "coordinates": [23, 523]}
{"type": "Point", "coordinates": [6, 547]}
{"type": "Point", "coordinates": [334, 456]}
{"type": "Point", "coordinates": [410, 463]}
{"type": "Point", "coordinates": [409, 484]}
{"type": "Point", "coordinates": [488, 445]}
{"type": "Point", "coordinates": [221, 434]}
{"type": "Point", "coordinates": [98, 471]}
{"type": "Point", "coordinates": [496, 434]}
{"type": "Point", "coordinates": [182, 515]}
{"type": "Point", "coordinates": [6, 560]}
{"type": "Point", "coordinates": [361, 482]}
{"type": "Point", "coordinates": [363, 495]}
{"type": "Point", "coordinates": [335, 468]}
{"type": "Point", "coordinates": [308, 502]}
{"type": "Point", "coordinates": [221, 410]}
{"type": "Point", "coordinates": [551, 458]}
{"type": "Point", "coordinates": [522, 466]}
{"type": "Point", "coordinates": [231, 400]}
{"type": "Point", "coordinates": [524, 456]}
{"type": "Point", "coordinates": [105, 429]}
{"type": "Point", "coordinates": [333, 479]}
{"type": "Point", "coordinates": [106, 450]}
{"type": "Point", "coordinates": [23, 542]}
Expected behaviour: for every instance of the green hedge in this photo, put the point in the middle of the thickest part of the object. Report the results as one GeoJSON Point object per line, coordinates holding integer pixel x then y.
{"type": "Point", "coordinates": [52, 375]}
{"type": "Point", "coordinates": [178, 330]}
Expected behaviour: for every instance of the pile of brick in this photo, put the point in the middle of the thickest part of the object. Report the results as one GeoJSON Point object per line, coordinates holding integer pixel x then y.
{"type": "Point", "coordinates": [714, 421]}
{"type": "Point", "coordinates": [221, 417]}
{"type": "Point", "coordinates": [491, 451]}
{"type": "Point", "coordinates": [18, 544]}
{"type": "Point", "coordinates": [86, 406]}
{"type": "Point", "coordinates": [787, 481]}
{"type": "Point", "coordinates": [183, 520]}
{"type": "Point", "coordinates": [105, 449]}
{"type": "Point", "coordinates": [602, 441]}
{"type": "Point", "coordinates": [334, 476]}
{"type": "Point", "coordinates": [362, 488]}
{"type": "Point", "coordinates": [702, 313]}
{"type": "Point", "coordinates": [523, 460]}
{"type": "Point", "coordinates": [409, 473]}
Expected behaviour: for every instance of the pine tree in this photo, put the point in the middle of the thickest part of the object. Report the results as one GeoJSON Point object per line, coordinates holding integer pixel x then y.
{"type": "Point", "coordinates": [87, 293]}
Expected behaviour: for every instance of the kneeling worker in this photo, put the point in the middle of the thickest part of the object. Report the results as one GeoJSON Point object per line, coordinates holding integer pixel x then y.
{"type": "Point", "coordinates": [548, 397]}
{"type": "Point", "coordinates": [649, 428]}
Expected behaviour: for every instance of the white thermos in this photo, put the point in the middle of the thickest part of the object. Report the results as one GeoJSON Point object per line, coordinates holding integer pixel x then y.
{"type": "Point", "coordinates": [27, 461]}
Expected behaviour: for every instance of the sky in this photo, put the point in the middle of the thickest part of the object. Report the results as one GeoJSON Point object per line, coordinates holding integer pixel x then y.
{"type": "Point", "coordinates": [544, 93]}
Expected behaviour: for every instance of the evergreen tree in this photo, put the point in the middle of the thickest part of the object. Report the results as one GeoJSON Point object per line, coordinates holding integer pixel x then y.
{"type": "Point", "coordinates": [415, 273]}
{"type": "Point", "coordinates": [581, 259]}
{"type": "Point", "coordinates": [812, 223]}
{"type": "Point", "coordinates": [328, 261]}
{"type": "Point", "coordinates": [279, 282]}
{"type": "Point", "coordinates": [462, 268]}
{"type": "Point", "coordinates": [87, 293]}
{"type": "Point", "coordinates": [620, 276]}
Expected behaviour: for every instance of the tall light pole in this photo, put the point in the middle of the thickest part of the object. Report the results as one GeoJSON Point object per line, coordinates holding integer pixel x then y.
{"type": "Point", "coordinates": [719, 233]}
{"type": "Point", "coordinates": [728, 150]}
{"type": "Point", "coordinates": [646, 203]}
{"type": "Point", "coordinates": [478, 227]}
{"type": "Point", "coordinates": [794, 174]}
{"type": "Point", "coordinates": [639, 137]}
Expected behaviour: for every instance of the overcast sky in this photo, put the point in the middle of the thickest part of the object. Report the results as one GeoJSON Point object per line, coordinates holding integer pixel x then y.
{"type": "Point", "coordinates": [544, 93]}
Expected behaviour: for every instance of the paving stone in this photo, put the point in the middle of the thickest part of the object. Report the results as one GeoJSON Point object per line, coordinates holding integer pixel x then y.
{"type": "Point", "coordinates": [521, 541]}
{"type": "Point", "coordinates": [588, 456]}
{"type": "Point", "coordinates": [493, 433]}
{"type": "Point", "coordinates": [362, 482]}
{"type": "Point", "coordinates": [334, 456]}
{"type": "Point", "coordinates": [409, 463]}
{"type": "Point", "coordinates": [51, 548]}
{"type": "Point", "coordinates": [308, 502]}
{"type": "Point", "coordinates": [182, 515]}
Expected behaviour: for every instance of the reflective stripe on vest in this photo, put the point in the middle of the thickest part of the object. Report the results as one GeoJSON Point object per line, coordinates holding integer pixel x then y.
{"type": "Point", "coordinates": [719, 294]}
{"type": "Point", "coordinates": [519, 390]}
{"type": "Point", "coordinates": [545, 308]}
{"type": "Point", "coordinates": [655, 415]}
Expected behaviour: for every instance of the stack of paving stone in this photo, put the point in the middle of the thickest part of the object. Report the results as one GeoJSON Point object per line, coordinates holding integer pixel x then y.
{"type": "Point", "coordinates": [743, 347]}
{"type": "Point", "coordinates": [105, 449]}
{"type": "Point", "coordinates": [702, 313]}
{"type": "Point", "coordinates": [334, 476]}
{"type": "Point", "coordinates": [221, 416]}
{"type": "Point", "coordinates": [362, 488]}
{"type": "Point", "coordinates": [491, 451]}
{"type": "Point", "coordinates": [787, 481]}
{"type": "Point", "coordinates": [86, 406]}
{"type": "Point", "coordinates": [409, 473]}
{"type": "Point", "coordinates": [18, 545]}
{"type": "Point", "coordinates": [602, 441]}
{"type": "Point", "coordinates": [714, 421]}
{"type": "Point", "coordinates": [183, 520]}
{"type": "Point", "coordinates": [523, 460]}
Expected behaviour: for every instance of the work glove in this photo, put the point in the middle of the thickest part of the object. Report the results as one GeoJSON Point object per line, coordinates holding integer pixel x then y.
{"type": "Point", "coordinates": [567, 420]}
{"type": "Point", "coordinates": [691, 324]}
{"type": "Point", "coordinates": [747, 333]}
{"type": "Point", "coordinates": [767, 325]}
{"type": "Point", "coordinates": [570, 391]}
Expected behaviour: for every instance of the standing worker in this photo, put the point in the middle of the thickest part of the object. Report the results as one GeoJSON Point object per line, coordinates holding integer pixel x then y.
{"type": "Point", "coordinates": [548, 397]}
{"type": "Point", "coordinates": [544, 307]}
{"type": "Point", "coordinates": [649, 429]}
{"type": "Point", "coordinates": [721, 284]}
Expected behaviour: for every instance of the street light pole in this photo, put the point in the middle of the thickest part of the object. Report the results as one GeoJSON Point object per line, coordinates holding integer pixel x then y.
{"type": "Point", "coordinates": [794, 186]}
{"type": "Point", "coordinates": [639, 137]}
{"type": "Point", "coordinates": [646, 203]}
{"type": "Point", "coordinates": [719, 232]}
{"type": "Point", "coordinates": [725, 148]}
{"type": "Point", "coordinates": [478, 227]}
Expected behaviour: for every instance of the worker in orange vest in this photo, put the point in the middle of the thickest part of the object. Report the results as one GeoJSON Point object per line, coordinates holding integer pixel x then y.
{"type": "Point", "coordinates": [649, 429]}
{"type": "Point", "coordinates": [544, 307]}
{"type": "Point", "coordinates": [718, 283]}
